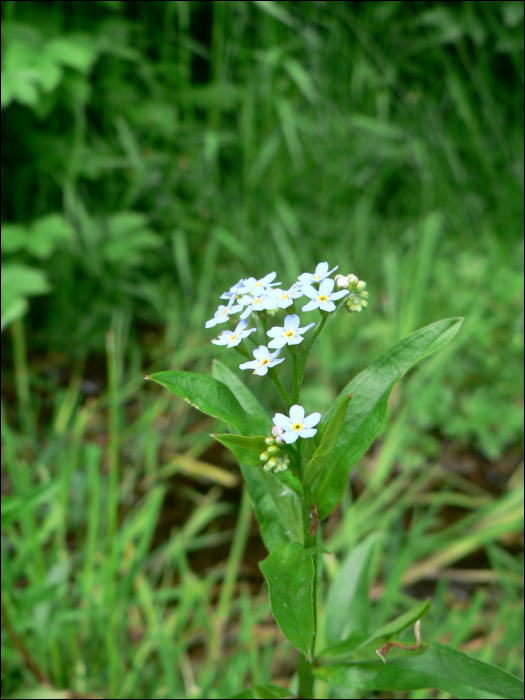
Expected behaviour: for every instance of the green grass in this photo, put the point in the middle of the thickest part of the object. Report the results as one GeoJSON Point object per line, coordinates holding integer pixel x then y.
{"type": "Point", "coordinates": [181, 147]}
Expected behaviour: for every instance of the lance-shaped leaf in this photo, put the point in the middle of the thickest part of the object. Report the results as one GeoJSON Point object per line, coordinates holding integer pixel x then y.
{"type": "Point", "coordinates": [257, 416]}
{"type": "Point", "coordinates": [247, 449]}
{"type": "Point", "coordinates": [289, 571]}
{"type": "Point", "coordinates": [439, 666]}
{"type": "Point", "coordinates": [204, 393]}
{"type": "Point", "coordinates": [328, 440]}
{"type": "Point", "coordinates": [347, 604]}
{"type": "Point", "coordinates": [356, 641]}
{"type": "Point", "coordinates": [370, 391]}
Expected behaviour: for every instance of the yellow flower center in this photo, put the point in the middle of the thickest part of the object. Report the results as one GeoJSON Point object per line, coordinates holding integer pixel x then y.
{"type": "Point", "coordinates": [322, 298]}
{"type": "Point", "coordinates": [317, 278]}
{"type": "Point", "coordinates": [233, 336]}
{"type": "Point", "coordinates": [265, 361]}
{"type": "Point", "coordinates": [225, 312]}
{"type": "Point", "coordinates": [289, 334]}
{"type": "Point", "coordinates": [257, 300]}
{"type": "Point", "coordinates": [285, 295]}
{"type": "Point", "coordinates": [297, 426]}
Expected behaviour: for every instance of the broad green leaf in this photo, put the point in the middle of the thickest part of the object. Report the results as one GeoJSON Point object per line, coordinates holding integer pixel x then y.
{"type": "Point", "coordinates": [358, 640]}
{"type": "Point", "coordinates": [243, 395]}
{"type": "Point", "coordinates": [289, 571]}
{"type": "Point", "coordinates": [204, 393]}
{"type": "Point", "coordinates": [370, 391]}
{"type": "Point", "coordinates": [438, 667]}
{"type": "Point", "coordinates": [347, 604]}
{"type": "Point", "coordinates": [290, 481]}
{"type": "Point", "coordinates": [328, 440]}
{"type": "Point", "coordinates": [247, 449]}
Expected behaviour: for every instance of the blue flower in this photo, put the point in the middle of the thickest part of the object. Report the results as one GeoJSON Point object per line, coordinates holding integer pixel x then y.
{"type": "Point", "coordinates": [290, 334]}
{"type": "Point", "coordinates": [263, 360]}
{"type": "Point", "coordinates": [322, 298]}
{"type": "Point", "coordinates": [233, 338]}
{"type": "Point", "coordinates": [257, 287]}
{"type": "Point", "coordinates": [321, 272]}
{"type": "Point", "coordinates": [222, 314]}
{"type": "Point", "coordinates": [296, 425]}
{"type": "Point", "coordinates": [263, 302]}
{"type": "Point", "coordinates": [285, 297]}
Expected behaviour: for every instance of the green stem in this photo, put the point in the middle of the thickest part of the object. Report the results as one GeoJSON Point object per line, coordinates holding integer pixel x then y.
{"type": "Point", "coordinates": [305, 351]}
{"type": "Point", "coordinates": [296, 377]}
{"type": "Point", "coordinates": [306, 677]}
{"type": "Point", "coordinates": [272, 373]}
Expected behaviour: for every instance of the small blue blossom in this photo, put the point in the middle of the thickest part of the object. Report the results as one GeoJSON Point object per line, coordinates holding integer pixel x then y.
{"type": "Point", "coordinates": [263, 360]}
{"type": "Point", "coordinates": [285, 297]}
{"type": "Point", "coordinates": [297, 425]}
{"type": "Point", "coordinates": [222, 314]}
{"type": "Point", "coordinates": [264, 302]}
{"type": "Point", "coordinates": [233, 338]}
{"type": "Point", "coordinates": [234, 292]}
{"type": "Point", "coordinates": [321, 272]}
{"type": "Point", "coordinates": [290, 334]}
{"type": "Point", "coordinates": [257, 287]}
{"type": "Point", "coordinates": [322, 298]}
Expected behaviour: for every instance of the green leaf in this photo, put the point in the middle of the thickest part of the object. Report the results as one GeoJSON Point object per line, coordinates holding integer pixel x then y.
{"type": "Point", "coordinates": [438, 667]}
{"type": "Point", "coordinates": [257, 415]}
{"type": "Point", "coordinates": [358, 640]}
{"type": "Point", "coordinates": [204, 393]}
{"type": "Point", "coordinates": [270, 519]}
{"type": "Point", "coordinates": [246, 449]}
{"type": "Point", "coordinates": [261, 692]}
{"type": "Point", "coordinates": [277, 508]}
{"type": "Point", "coordinates": [289, 571]}
{"type": "Point", "coordinates": [371, 389]}
{"type": "Point", "coordinates": [328, 440]}
{"type": "Point", "coordinates": [347, 604]}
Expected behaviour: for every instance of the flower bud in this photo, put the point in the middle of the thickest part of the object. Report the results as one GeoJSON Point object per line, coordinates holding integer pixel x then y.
{"type": "Point", "coordinates": [279, 440]}
{"type": "Point", "coordinates": [276, 431]}
{"type": "Point", "coordinates": [264, 457]}
{"type": "Point", "coordinates": [360, 286]}
{"type": "Point", "coordinates": [341, 281]}
{"type": "Point", "coordinates": [269, 441]}
{"type": "Point", "coordinates": [271, 463]}
{"type": "Point", "coordinates": [274, 450]}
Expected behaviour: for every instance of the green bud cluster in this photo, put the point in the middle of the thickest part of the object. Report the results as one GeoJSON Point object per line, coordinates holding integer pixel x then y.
{"type": "Point", "coordinates": [356, 301]}
{"type": "Point", "coordinates": [275, 460]}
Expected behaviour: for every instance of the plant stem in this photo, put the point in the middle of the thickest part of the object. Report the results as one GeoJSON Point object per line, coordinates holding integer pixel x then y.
{"type": "Point", "coordinates": [296, 380]}
{"type": "Point", "coordinates": [306, 678]}
{"type": "Point", "coordinates": [305, 351]}
{"type": "Point", "coordinates": [272, 373]}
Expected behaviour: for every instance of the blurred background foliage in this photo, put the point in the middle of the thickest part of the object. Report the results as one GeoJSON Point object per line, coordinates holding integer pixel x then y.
{"type": "Point", "coordinates": [153, 154]}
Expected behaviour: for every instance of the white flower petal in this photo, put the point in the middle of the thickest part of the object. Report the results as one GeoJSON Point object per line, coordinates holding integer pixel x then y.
{"type": "Point", "coordinates": [339, 295]}
{"type": "Point", "coordinates": [311, 305]}
{"type": "Point", "coordinates": [312, 420]}
{"type": "Point", "coordinates": [326, 286]}
{"type": "Point", "coordinates": [282, 421]}
{"type": "Point", "coordinates": [307, 433]}
{"type": "Point", "coordinates": [296, 413]}
{"type": "Point", "coordinates": [291, 322]}
{"type": "Point", "coordinates": [290, 437]}
{"type": "Point", "coordinates": [309, 291]}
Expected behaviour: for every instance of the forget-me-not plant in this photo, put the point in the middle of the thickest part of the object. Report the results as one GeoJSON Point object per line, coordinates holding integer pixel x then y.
{"type": "Point", "coordinates": [296, 466]}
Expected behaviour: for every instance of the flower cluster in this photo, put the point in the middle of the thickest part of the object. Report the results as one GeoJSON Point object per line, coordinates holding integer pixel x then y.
{"type": "Point", "coordinates": [357, 296]}
{"type": "Point", "coordinates": [266, 297]}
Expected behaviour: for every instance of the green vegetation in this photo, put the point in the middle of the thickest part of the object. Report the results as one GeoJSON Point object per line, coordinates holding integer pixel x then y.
{"type": "Point", "coordinates": [152, 155]}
